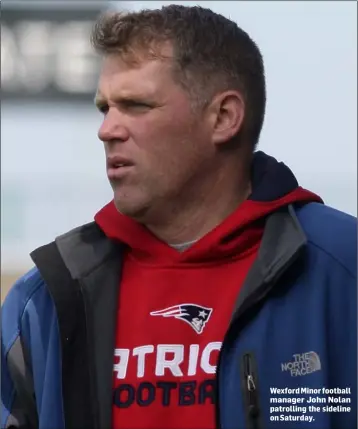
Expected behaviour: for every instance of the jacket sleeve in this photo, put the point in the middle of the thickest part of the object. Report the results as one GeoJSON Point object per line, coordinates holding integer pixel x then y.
{"type": "Point", "coordinates": [18, 404]}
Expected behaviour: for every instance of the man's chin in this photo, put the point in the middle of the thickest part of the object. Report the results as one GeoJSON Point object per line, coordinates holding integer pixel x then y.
{"type": "Point", "coordinates": [132, 209]}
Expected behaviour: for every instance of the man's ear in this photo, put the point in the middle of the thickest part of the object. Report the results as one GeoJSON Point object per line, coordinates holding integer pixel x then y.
{"type": "Point", "coordinates": [227, 111]}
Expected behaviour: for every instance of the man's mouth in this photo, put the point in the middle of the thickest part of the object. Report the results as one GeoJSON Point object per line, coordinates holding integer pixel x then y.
{"type": "Point", "coordinates": [118, 167]}
{"type": "Point", "coordinates": [118, 162]}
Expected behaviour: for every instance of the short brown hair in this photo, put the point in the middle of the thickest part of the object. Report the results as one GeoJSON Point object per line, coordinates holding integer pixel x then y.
{"type": "Point", "coordinates": [211, 53]}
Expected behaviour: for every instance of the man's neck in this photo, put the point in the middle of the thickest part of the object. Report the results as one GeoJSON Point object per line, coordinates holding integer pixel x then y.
{"type": "Point", "coordinates": [191, 221]}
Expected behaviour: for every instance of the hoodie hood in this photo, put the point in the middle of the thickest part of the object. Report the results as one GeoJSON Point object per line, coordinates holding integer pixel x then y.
{"type": "Point", "coordinates": [273, 187]}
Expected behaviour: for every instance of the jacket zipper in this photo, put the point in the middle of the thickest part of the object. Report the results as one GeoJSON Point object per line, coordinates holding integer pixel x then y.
{"type": "Point", "coordinates": [253, 417]}
{"type": "Point", "coordinates": [251, 400]}
{"type": "Point", "coordinates": [91, 365]}
{"type": "Point", "coordinates": [236, 325]}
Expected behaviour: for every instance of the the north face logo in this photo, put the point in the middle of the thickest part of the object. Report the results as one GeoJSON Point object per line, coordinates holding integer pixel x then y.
{"type": "Point", "coordinates": [302, 364]}
{"type": "Point", "coordinates": [195, 315]}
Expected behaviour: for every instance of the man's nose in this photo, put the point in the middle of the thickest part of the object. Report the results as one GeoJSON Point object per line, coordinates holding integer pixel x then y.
{"type": "Point", "coordinates": [113, 127]}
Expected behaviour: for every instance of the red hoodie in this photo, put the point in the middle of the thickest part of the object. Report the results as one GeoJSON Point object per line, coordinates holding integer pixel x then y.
{"type": "Point", "coordinates": [174, 310]}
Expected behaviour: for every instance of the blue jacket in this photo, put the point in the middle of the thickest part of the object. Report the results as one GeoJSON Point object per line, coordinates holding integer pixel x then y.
{"type": "Point", "coordinates": [291, 344]}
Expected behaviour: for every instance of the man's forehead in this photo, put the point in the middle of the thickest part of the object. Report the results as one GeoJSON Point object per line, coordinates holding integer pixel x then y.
{"type": "Point", "coordinates": [143, 79]}
{"type": "Point", "coordinates": [138, 61]}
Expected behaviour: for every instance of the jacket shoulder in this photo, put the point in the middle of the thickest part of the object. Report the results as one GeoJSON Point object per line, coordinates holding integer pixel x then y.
{"type": "Point", "coordinates": [331, 231]}
{"type": "Point", "coordinates": [20, 295]}
{"type": "Point", "coordinates": [27, 286]}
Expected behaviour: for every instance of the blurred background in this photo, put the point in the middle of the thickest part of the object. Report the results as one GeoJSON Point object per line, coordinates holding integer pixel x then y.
{"type": "Point", "coordinates": [52, 164]}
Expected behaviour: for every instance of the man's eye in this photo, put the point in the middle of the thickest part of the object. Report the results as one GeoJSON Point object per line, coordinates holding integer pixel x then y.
{"type": "Point", "coordinates": [136, 105]}
{"type": "Point", "coordinates": [103, 108]}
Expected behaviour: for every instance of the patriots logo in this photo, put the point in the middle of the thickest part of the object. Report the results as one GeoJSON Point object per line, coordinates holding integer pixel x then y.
{"type": "Point", "coordinates": [195, 315]}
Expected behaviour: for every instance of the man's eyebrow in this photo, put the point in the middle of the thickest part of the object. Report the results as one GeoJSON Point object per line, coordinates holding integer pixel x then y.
{"type": "Point", "coordinates": [99, 100]}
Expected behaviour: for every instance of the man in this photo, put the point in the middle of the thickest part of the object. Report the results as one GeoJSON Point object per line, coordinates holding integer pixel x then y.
{"type": "Point", "coordinates": [213, 291]}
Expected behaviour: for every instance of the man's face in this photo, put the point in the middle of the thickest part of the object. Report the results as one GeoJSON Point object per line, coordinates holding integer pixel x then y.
{"type": "Point", "coordinates": [156, 148]}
